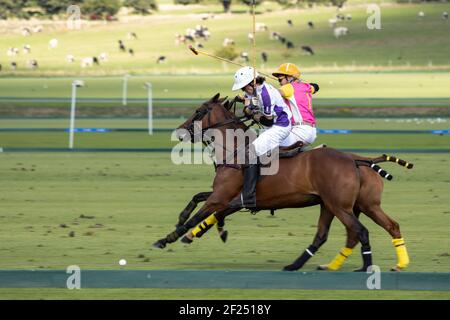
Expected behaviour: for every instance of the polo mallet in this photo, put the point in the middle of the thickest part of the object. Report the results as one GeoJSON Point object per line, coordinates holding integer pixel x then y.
{"type": "Point", "coordinates": [197, 52]}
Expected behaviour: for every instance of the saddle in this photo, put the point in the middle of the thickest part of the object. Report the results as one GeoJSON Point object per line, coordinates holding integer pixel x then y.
{"type": "Point", "coordinates": [292, 150]}
{"type": "Point", "coordinates": [285, 152]}
{"type": "Point", "coordinates": [295, 149]}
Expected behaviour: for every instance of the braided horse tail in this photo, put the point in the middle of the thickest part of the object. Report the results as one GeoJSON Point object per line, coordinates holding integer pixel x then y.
{"type": "Point", "coordinates": [372, 163]}
{"type": "Point", "coordinates": [385, 158]}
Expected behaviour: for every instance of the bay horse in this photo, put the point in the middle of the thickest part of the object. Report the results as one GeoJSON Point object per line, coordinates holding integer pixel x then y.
{"type": "Point", "coordinates": [325, 177]}
{"type": "Point", "coordinates": [368, 202]}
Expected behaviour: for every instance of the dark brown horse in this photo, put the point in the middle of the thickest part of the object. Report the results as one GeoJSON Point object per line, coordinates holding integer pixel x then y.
{"type": "Point", "coordinates": [322, 176]}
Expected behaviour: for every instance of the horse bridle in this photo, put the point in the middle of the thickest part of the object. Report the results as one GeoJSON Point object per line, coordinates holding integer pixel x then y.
{"type": "Point", "coordinates": [200, 114]}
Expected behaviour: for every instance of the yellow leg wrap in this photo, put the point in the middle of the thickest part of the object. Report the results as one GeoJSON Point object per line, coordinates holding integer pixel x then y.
{"type": "Point", "coordinates": [340, 258]}
{"type": "Point", "coordinates": [402, 253]}
{"type": "Point", "coordinates": [204, 226]}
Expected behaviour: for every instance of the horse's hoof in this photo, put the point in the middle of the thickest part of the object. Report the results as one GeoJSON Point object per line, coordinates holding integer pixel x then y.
{"type": "Point", "coordinates": [362, 269]}
{"type": "Point", "coordinates": [396, 269]}
{"type": "Point", "coordinates": [322, 267]}
{"type": "Point", "coordinates": [290, 267]}
{"type": "Point", "coordinates": [160, 244]}
{"type": "Point", "coordinates": [186, 240]}
{"type": "Point", "coordinates": [224, 236]}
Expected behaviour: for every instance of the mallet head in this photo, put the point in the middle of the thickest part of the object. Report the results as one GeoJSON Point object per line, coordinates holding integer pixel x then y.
{"type": "Point", "coordinates": [193, 50]}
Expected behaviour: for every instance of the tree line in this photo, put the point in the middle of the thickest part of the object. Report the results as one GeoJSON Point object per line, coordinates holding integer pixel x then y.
{"type": "Point", "coordinates": [25, 9]}
{"type": "Point", "coordinates": [108, 8]}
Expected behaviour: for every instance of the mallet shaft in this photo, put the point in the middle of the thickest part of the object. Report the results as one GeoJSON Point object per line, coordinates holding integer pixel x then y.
{"type": "Point", "coordinates": [197, 52]}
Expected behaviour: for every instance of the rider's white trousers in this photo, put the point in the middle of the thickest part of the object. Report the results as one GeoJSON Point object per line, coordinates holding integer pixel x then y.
{"type": "Point", "coordinates": [303, 133]}
{"type": "Point", "coordinates": [270, 139]}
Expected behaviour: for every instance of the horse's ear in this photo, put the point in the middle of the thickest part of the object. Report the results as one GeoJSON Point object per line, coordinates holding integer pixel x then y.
{"type": "Point", "coordinates": [216, 97]}
{"type": "Point", "coordinates": [221, 100]}
{"type": "Point", "coordinates": [227, 105]}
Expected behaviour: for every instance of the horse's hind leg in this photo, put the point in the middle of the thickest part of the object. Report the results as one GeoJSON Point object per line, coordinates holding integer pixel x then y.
{"type": "Point", "coordinates": [392, 227]}
{"type": "Point", "coordinates": [354, 226]}
{"type": "Point", "coordinates": [345, 252]}
{"type": "Point", "coordinates": [325, 219]}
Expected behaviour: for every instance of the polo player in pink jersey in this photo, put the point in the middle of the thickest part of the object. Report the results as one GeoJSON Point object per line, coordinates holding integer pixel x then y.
{"type": "Point", "coordinates": [298, 97]}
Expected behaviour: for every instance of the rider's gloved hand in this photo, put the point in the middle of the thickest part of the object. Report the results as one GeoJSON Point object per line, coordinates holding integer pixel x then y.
{"type": "Point", "coordinates": [255, 103]}
{"type": "Point", "coordinates": [239, 98]}
{"type": "Point", "coordinates": [248, 112]}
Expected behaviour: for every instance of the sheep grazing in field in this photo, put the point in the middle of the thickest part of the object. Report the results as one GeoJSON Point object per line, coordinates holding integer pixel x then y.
{"type": "Point", "coordinates": [341, 31]}
{"type": "Point", "coordinates": [228, 42]}
{"type": "Point", "coordinates": [445, 15]}
{"type": "Point", "coordinates": [308, 50]}
{"type": "Point", "coordinates": [32, 64]}
{"type": "Point", "coordinates": [70, 58]}
{"type": "Point", "coordinates": [348, 16]}
{"type": "Point", "coordinates": [95, 61]}
{"type": "Point", "coordinates": [26, 49]}
{"type": "Point", "coordinates": [26, 31]}
{"type": "Point", "coordinates": [199, 45]}
{"type": "Point", "coordinates": [53, 43]}
{"type": "Point", "coordinates": [190, 33]}
{"type": "Point", "coordinates": [103, 56]}
{"type": "Point", "coordinates": [310, 24]}
{"type": "Point", "coordinates": [201, 32]}
{"type": "Point", "coordinates": [332, 22]}
{"type": "Point", "coordinates": [161, 59]}
{"type": "Point", "coordinates": [11, 52]}
{"type": "Point", "coordinates": [121, 46]}
{"type": "Point", "coordinates": [260, 27]}
{"type": "Point", "coordinates": [290, 23]}
{"type": "Point", "coordinates": [275, 35]}
{"type": "Point", "coordinates": [264, 57]}
{"type": "Point", "coordinates": [282, 40]}
{"type": "Point", "coordinates": [132, 36]}
{"type": "Point", "coordinates": [131, 51]}
{"type": "Point", "coordinates": [289, 45]}
{"type": "Point", "coordinates": [14, 65]}
{"type": "Point", "coordinates": [340, 17]}
{"type": "Point", "coordinates": [244, 55]}
{"type": "Point", "coordinates": [180, 39]}
{"type": "Point", "coordinates": [87, 62]}
{"type": "Point", "coordinates": [38, 29]}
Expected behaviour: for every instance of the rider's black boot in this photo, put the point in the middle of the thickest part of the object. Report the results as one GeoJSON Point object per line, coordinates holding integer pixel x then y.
{"type": "Point", "coordinates": [247, 198]}
{"type": "Point", "coordinates": [251, 176]}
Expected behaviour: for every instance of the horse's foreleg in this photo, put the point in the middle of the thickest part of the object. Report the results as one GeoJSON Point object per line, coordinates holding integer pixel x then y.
{"type": "Point", "coordinates": [223, 234]}
{"type": "Point", "coordinates": [185, 214]}
{"type": "Point", "coordinates": [207, 223]}
{"type": "Point", "coordinates": [325, 219]}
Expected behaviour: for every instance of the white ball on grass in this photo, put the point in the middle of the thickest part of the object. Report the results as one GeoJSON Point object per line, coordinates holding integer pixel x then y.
{"type": "Point", "coordinates": [122, 262]}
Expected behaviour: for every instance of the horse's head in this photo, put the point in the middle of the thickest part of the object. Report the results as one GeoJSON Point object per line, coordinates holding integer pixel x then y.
{"type": "Point", "coordinates": [211, 114]}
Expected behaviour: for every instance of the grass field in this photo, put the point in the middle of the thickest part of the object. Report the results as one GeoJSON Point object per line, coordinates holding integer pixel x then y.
{"type": "Point", "coordinates": [132, 199]}
{"type": "Point", "coordinates": [390, 47]}
{"type": "Point", "coordinates": [93, 208]}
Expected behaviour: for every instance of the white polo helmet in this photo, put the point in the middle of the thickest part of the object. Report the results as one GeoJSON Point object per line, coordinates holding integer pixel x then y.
{"type": "Point", "coordinates": [243, 77]}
